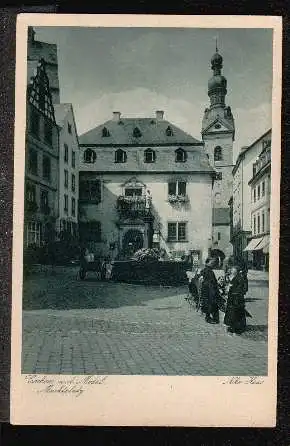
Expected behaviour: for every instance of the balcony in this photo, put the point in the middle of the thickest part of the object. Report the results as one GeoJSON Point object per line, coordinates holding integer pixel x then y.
{"type": "Point", "coordinates": [136, 207]}
{"type": "Point", "coordinates": [178, 199]}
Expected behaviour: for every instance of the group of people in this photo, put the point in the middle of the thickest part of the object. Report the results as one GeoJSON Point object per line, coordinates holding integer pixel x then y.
{"type": "Point", "coordinates": [225, 294]}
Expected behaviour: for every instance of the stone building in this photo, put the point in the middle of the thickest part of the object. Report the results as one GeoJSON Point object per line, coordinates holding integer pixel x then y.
{"type": "Point", "coordinates": [67, 222]}
{"type": "Point", "coordinates": [144, 182]}
{"type": "Point", "coordinates": [242, 198]}
{"type": "Point", "coordinates": [41, 159]}
{"type": "Point", "coordinates": [48, 51]}
{"type": "Point", "coordinates": [218, 134]}
{"type": "Point", "coordinates": [260, 188]}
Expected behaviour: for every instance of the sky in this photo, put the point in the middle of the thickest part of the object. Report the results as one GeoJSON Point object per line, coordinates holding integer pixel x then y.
{"type": "Point", "coordinates": [140, 70]}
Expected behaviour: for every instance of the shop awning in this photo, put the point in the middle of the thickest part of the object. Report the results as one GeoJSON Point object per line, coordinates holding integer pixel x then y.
{"type": "Point", "coordinates": [265, 243]}
{"type": "Point", "coordinates": [254, 244]}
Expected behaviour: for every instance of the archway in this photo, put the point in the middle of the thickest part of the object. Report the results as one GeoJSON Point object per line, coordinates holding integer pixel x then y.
{"type": "Point", "coordinates": [219, 256]}
{"type": "Point", "coordinates": [133, 240]}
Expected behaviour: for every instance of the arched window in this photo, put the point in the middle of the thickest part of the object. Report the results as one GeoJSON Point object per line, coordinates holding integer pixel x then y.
{"type": "Point", "coordinates": [105, 132]}
{"type": "Point", "coordinates": [180, 156]}
{"type": "Point", "coordinates": [149, 156]}
{"type": "Point", "coordinates": [169, 131]}
{"type": "Point", "coordinates": [137, 133]}
{"type": "Point", "coordinates": [218, 153]}
{"type": "Point", "coordinates": [120, 156]}
{"type": "Point", "coordinates": [89, 156]}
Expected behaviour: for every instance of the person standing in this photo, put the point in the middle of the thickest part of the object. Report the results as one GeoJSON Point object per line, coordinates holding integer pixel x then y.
{"type": "Point", "coordinates": [209, 293]}
{"type": "Point", "coordinates": [235, 315]}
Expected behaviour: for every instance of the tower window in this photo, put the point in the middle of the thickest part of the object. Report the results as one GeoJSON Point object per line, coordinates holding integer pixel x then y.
{"type": "Point", "coordinates": [219, 176]}
{"type": "Point", "coordinates": [120, 156]}
{"type": "Point", "coordinates": [69, 127]}
{"type": "Point", "coordinates": [180, 156]}
{"type": "Point", "coordinates": [218, 153]}
{"type": "Point", "coordinates": [89, 156]}
{"type": "Point", "coordinates": [149, 156]}
{"type": "Point", "coordinates": [105, 132]}
{"type": "Point", "coordinates": [169, 131]}
{"type": "Point", "coordinates": [137, 133]}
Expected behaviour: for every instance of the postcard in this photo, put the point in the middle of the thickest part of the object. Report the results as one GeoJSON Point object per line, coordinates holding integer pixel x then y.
{"type": "Point", "coordinates": [146, 220]}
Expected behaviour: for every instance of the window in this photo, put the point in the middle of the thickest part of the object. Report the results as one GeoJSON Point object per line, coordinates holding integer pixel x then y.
{"type": "Point", "coordinates": [177, 188]}
{"type": "Point", "coordinates": [65, 203]}
{"type": "Point", "coordinates": [90, 190]}
{"type": "Point", "coordinates": [180, 156]}
{"type": "Point", "coordinates": [149, 156]}
{"type": "Point", "coordinates": [137, 133]}
{"type": "Point", "coordinates": [258, 224]}
{"type": "Point", "coordinates": [259, 192]}
{"type": "Point", "coordinates": [46, 168]}
{"type": "Point", "coordinates": [133, 192]}
{"type": "Point", "coordinates": [90, 231]}
{"type": "Point", "coordinates": [73, 182]}
{"type": "Point", "coordinates": [218, 176]}
{"type": "Point", "coordinates": [44, 205]}
{"type": "Point", "coordinates": [73, 206]}
{"type": "Point", "coordinates": [263, 188]}
{"type": "Point", "coordinates": [169, 131]}
{"type": "Point", "coordinates": [217, 197]}
{"type": "Point", "coordinates": [120, 156]}
{"type": "Point", "coordinates": [254, 224]}
{"type": "Point", "coordinates": [66, 179]}
{"type": "Point", "coordinates": [69, 127]}
{"type": "Point", "coordinates": [105, 132]}
{"type": "Point", "coordinates": [219, 236]}
{"type": "Point", "coordinates": [254, 169]}
{"type": "Point", "coordinates": [89, 156]}
{"type": "Point", "coordinates": [65, 155]}
{"type": "Point", "coordinates": [254, 193]}
{"type": "Point", "coordinates": [30, 193]}
{"type": "Point", "coordinates": [177, 232]}
{"type": "Point", "coordinates": [34, 122]}
{"type": "Point", "coordinates": [218, 153]}
{"type": "Point", "coordinates": [73, 159]}
{"type": "Point", "coordinates": [33, 234]}
{"type": "Point", "coordinates": [263, 222]}
{"type": "Point", "coordinates": [48, 132]}
{"type": "Point", "coordinates": [33, 162]}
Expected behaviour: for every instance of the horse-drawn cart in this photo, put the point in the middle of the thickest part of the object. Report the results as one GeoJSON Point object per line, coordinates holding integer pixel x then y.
{"type": "Point", "coordinates": [89, 262]}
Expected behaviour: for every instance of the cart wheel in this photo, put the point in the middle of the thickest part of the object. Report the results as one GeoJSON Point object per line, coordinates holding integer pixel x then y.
{"type": "Point", "coordinates": [82, 274]}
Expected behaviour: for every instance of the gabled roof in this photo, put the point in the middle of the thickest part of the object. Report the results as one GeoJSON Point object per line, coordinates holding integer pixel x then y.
{"type": "Point", "coordinates": [227, 126]}
{"type": "Point", "coordinates": [152, 131]}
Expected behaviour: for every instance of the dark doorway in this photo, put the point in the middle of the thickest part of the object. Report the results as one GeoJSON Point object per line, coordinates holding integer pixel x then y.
{"type": "Point", "coordinates": [132, 241]}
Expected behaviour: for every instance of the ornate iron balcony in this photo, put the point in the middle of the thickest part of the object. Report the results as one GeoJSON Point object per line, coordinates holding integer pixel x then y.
{"type": "Point", "coordinates": [134, 207]}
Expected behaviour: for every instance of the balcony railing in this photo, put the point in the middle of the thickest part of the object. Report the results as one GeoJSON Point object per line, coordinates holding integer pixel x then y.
{"type": "Point", "coordinates": [178, 199]}
{"type": "Point", "coordinates": [134, 207]}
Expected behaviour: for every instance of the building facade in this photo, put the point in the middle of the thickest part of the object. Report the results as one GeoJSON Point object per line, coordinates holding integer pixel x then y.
{"type": "Point", "coordinates": [260, 187]}
{"type": "Point", "coordinates": [41, 159]}
{"type": "Point", "coordinates": [67, 223]}
{"type": "Point", "coordinates": [218, 134]}
{"type": "Point", "coordinates": [242, 197]}
{"type": "Point", "coordinates": [144, 183]}
{"type": "Point", "coordinates": [48, 51]}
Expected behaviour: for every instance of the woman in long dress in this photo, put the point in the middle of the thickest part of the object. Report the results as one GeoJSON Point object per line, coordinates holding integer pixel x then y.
{"type": "Point", "coordinates": [235, 315]}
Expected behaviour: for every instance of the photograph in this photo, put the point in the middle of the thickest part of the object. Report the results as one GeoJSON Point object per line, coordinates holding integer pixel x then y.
{"type": "Point", "coordinates": [146, 202]}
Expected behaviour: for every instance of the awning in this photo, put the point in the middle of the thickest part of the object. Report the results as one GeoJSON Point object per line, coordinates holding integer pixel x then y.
{"type": "Point", "coordinates": [265, 243]}
{"type": "Point", "coordinates": [253, 245]}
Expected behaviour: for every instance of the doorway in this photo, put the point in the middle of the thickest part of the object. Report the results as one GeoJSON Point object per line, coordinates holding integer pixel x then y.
{"type": "Point", "coordinates": [133, 240]}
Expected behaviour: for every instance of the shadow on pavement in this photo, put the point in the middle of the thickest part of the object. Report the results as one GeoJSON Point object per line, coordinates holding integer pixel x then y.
{"type": "Point", "coordinates": [72, 294]}
{"type": "Point", "coordinates": [256, 332]}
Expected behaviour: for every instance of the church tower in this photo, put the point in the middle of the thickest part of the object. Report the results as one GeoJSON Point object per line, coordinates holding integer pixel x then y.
{"type": "Point", "coordinates": [218, 133]}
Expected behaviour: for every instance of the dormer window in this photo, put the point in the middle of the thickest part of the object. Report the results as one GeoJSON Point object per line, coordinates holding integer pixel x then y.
{"type": "Point", "coordinates": [137, 133]}
{"type": "Point", "coordinates": [218, 153]}
{"type": "Point", "coordinates": [89, 156]}
{"type": "Point", "coordinates": [105, 132]}
{"type": "Point", "coordinates": [169, 131]}
{"type": "Point", "coordinates": [149, 156]}
{"type": "Point", "coordinates": [120, 156]}
{"type": "Point", "coordinates": [180, 156]}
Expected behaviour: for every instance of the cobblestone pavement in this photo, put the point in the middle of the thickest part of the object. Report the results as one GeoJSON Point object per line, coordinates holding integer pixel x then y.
{"type": "Point", "coordinates": [92, 327]}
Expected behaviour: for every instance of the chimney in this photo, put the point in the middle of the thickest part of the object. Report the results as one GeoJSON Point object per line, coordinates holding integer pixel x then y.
{"type": "Point", "coordinates": [159, 115]}
{"type": "Point", "coordinates": [116, 116]}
